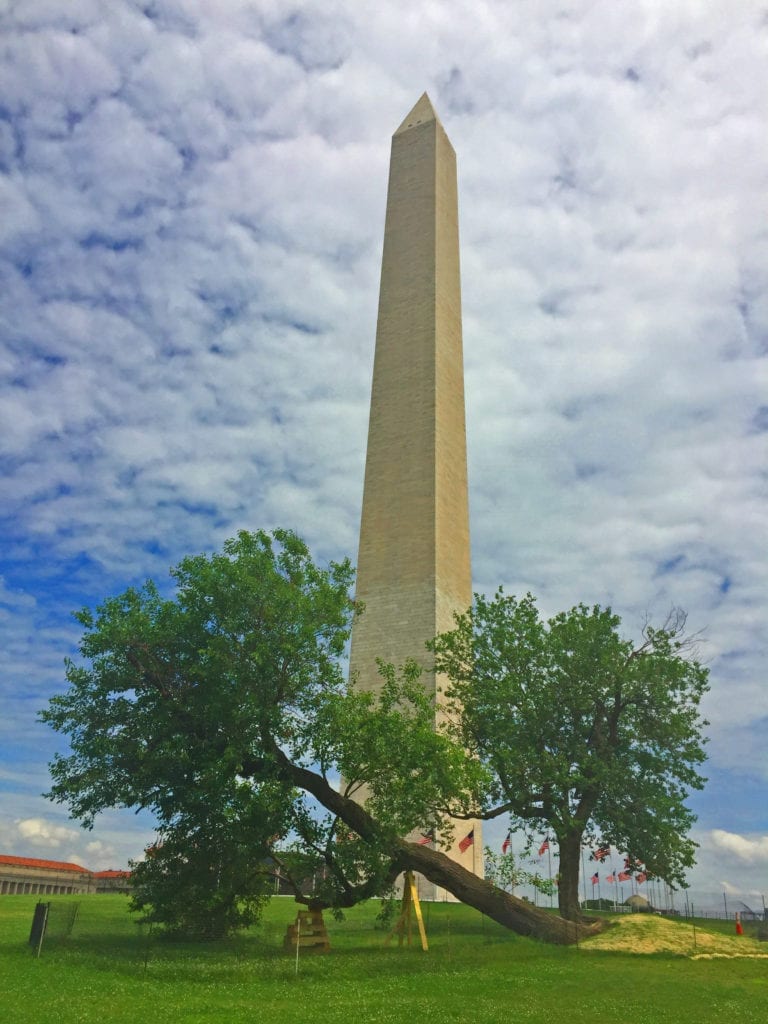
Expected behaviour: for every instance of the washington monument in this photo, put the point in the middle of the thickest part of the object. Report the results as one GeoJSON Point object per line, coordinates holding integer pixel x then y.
{"type": "Point", "coordinates": [413, 563]}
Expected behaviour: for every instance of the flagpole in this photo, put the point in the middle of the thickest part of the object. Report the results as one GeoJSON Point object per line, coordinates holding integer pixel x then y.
{"type": "Point", "coordinates": [584, 874]}
{"type": "Point", "coordinates": [549, 865]}
{"type": "Point", "coordinates": [511, 853]}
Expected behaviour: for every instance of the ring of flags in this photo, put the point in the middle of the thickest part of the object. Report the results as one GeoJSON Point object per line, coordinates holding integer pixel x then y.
{"type": "Point", "coordinates": [633, 868]}
{"type": "Point", "coordinates": [600, 854]}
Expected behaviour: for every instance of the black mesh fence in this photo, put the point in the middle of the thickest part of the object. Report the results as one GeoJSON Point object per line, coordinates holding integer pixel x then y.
{"type": "Point", "coordinates": [62, 916]}
{"type": "Point", "coordinates": [52, 922]}
{"type": "Point", "coordinates": [95, 923]}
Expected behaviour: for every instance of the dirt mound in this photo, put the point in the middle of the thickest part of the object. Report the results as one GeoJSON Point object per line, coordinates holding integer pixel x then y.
{"type": "Point", "coordinates": [647, 933]}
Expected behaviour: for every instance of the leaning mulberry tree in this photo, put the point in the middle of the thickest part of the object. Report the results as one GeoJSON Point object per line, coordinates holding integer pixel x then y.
{"type": "Point", "coordinates": [224, 710]}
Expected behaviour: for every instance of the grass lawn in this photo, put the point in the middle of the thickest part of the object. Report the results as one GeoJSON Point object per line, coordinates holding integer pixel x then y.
{"type": "Point", "coordinates": [475, 972]}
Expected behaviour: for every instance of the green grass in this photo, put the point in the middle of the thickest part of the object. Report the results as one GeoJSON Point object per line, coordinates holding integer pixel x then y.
{"type": "Point", "coordinates": [474, 972]}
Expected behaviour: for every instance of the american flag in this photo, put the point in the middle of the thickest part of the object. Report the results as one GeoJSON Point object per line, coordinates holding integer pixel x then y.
{"type": "Point", "coordinates": [507, 843]}
{"type": "Point", "coordinates": [467, 841]}
{"type": "Point", "coordinates": [595, 878]}
{"type": "Point", "coordinates": [544, 847]}
{"type": "Point", "coordinates": [427, 837]}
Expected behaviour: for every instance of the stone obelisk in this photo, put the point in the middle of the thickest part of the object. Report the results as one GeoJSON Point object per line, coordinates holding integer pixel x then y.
{"type": "Point", "coordinates": [413, 564]}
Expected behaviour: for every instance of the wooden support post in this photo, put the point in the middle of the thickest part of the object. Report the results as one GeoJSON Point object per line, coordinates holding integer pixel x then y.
{"type": "Point", "coordinates": [410, 907]}
{"type": "Point", "coordinates": [308, 933]}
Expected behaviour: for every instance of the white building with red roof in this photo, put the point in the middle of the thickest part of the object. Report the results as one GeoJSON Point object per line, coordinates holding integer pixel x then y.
{"type": "Point", "coordinates": [30, 875]}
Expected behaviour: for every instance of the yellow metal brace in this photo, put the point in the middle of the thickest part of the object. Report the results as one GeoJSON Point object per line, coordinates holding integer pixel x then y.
{"type": "Point", "coordinates": [410, 905]}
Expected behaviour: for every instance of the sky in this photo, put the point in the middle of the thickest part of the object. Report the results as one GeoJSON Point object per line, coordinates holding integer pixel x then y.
{"type": "Point", "coordinates": [191, 217]}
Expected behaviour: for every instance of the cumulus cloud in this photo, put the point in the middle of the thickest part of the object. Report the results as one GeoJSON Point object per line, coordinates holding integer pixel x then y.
{"type": "Point", "coordinates": [39, 832]}
{"type": "Point", "coordinates": [100, 852]}
{"type": "Point", "coordinates": [191, 211]}
{"type": "Point", "coordinates": [750, 850]}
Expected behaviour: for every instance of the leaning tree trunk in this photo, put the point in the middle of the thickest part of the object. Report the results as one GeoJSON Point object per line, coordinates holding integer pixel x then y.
{"type": "Point", "coordinates": [507, 910]}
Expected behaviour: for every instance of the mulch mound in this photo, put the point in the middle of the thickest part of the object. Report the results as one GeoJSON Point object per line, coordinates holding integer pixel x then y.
{"type": "Point", "coordinates": [648, 933]}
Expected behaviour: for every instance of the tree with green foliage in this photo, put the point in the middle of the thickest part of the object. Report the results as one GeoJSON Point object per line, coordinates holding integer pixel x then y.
{"type": "Point", "coordinates": [201, 884]}
{"type": "Point", "coordinates": [507, 872]}
{"type": "Point", "coordinates": [223, 709]}
{"type": "Point", "coordinates": [587, 736]}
